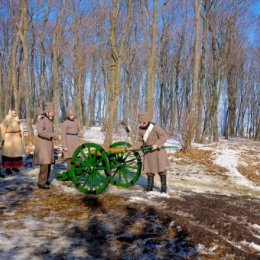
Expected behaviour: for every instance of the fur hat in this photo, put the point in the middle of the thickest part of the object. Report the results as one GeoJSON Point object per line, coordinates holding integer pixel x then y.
{"type": "Point", "coordinates": [143, 117]}
{"type": "Point", "coordinates": [70, 111]}
{"type": "Point", "coordinates": [50, 107]}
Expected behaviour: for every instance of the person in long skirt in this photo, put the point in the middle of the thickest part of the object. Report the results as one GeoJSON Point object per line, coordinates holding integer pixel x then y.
{"type": "Point", "coordinates": [13, 148]}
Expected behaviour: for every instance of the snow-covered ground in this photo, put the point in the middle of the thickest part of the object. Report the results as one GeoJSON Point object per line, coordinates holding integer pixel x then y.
{"type": "Point", "coordinates": [40, 224]}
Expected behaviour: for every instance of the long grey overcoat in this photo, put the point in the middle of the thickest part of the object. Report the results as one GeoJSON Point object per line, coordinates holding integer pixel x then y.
{"type": "Point", "coordinates": [43, 153]}
{"type": "Point", "coordinates": [11, 129]}
{"type": "Point", "coordinates": [155, 161]}
{"type": "Point", "coordinates": [69, 137]}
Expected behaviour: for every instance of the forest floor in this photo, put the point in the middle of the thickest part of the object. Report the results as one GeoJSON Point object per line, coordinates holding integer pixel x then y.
{"type": "Point", "coordinates": [211, 212]}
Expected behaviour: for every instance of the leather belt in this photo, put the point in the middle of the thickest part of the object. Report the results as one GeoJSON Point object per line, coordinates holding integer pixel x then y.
{"type": "Point", "coordinates": [45, 138]}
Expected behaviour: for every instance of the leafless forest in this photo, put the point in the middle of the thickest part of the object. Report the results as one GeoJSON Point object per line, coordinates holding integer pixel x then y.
{"type": "Point", "coordinates": [194, 65]}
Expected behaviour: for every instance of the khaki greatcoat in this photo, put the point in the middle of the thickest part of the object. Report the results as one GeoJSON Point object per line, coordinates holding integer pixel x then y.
{"type": "Point", "coordinates": [154, 161]}
{"type": "Point", "coordinates": [11, 130]}
{"type": "Point", "coordinates": [69, 137]}
{"type": "Point", "coordinates": [43, 153]}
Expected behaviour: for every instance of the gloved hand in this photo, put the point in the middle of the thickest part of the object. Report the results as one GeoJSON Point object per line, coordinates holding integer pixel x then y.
{"type": "Point", "coordinates": [154, 147]}
{"type": "Point", "coordinates": [3, 142]}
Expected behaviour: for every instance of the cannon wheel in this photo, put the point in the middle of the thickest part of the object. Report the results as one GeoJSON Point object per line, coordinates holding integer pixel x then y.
{"type": "Point", "coordinates": [90, 168]}
{"type": "Point", "coordinates": [125, 167]}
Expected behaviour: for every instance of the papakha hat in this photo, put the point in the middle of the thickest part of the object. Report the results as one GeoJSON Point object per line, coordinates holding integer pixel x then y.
{"type": "Point", "coordinates": [70, 111]}
{"type": "Point", "coordinates": [50, 107]}
{"type": "Point", "coordinates": [143, 117]}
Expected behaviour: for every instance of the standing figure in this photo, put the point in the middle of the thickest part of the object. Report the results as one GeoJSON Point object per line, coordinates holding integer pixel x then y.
{"type": "Point", "coordinates": [13, 148]}
{"type": "Point", "coordinates": [155, 161]}
{"type": "Point", "coordinates": [43, 154]}
{"type": "Point", "coordinates": [69, 136]}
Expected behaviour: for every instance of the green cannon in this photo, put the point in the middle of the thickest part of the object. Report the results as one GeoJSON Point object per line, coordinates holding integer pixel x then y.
{"type": "Point", "coordinates": [93, 167]}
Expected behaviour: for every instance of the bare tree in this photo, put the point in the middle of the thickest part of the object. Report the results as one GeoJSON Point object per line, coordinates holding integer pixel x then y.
{"type": "Point", "coordinates": [202, 72]}
{"type": "Point", "coordinates": [116, 58]}
{"type": "Point", "coordinates": [191, 114]}
{"type": "Point", "coordinates": [23, 32]}
{"type": "Point", "coordinates": [54, 58]}
{"type": "Point", "coordinates": [150, 42]}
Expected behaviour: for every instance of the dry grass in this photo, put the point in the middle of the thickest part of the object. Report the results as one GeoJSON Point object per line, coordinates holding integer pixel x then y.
{"type": "Point", "coordinates": [250, 157]}
{"type": "Point", "coordinates": [72, 207]}
{"type": "Point", "coordinates": [252, 169]}
{"type": "Point", "coordinates": [251, 172]}
{"type": "Point", "coordinates": [203, 157]}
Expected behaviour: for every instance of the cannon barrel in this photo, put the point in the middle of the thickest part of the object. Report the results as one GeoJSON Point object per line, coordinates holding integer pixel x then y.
{"type": "Point", "coordinates": [149, 148]}
{"type": "Point", "coordinates": [116, 150]}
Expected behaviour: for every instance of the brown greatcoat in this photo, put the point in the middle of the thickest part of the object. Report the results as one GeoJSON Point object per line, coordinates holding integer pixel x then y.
{"type": "Point", "coordinates": [69, 137]}
{"type": "Point", "coordinates": [43, 153]}
{"type": "Point", "coordinates": [12, 135]}
{"type": "Point", "coordinates": [154, 161]}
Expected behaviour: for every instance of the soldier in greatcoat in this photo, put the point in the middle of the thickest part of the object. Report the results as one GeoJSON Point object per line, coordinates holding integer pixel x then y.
{"type": "Point", "coordinates": [43, 154]}
{"type": "Point", "coordinates": [13, 148]}
{"type": "Point", "coordinates": [69, 136]}
{"type": "Point", "coordinates": [155, 161]}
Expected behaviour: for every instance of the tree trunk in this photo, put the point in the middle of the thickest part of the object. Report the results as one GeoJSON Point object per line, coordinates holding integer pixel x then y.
{"type": "Point", "coordinates": [42, 76]}
{"type": "Point", "coordinates": [202, 73]}
{"type": "Point", "coordinates": [212, 109]}
{"type": "Point", "coordinates": [191, 114]}
{"type": "Point", "coordinates": [23, 37]}
{"type": "Point", "coordinates": [162, 77]}
{"type": "Point", "coordinates": [232, 100]}
{"type": "Point", "coordinates": [150, 72]}
{"type": "Point", "coordinates": [54, 63]}
{"type": "Point", "coordinates": [12, 77]}
{"type": "Point", "coordinates": [116, 58]}
{"type": "Point", "coordinates": [92, 92]}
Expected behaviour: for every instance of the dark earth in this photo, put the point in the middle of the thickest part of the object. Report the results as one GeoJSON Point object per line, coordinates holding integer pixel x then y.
{"type": "Point", "coordinates": [186, 225]}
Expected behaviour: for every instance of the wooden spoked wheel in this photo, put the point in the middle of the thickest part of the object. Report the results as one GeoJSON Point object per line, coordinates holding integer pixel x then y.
{"type": "Point", "coordinates": [90, 168]}
{"type": "Point", "coordinates": [125, 167]}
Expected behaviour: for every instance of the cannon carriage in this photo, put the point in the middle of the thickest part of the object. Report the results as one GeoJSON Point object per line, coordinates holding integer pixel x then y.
{"type": "Point", "coordinates": [93, 167]}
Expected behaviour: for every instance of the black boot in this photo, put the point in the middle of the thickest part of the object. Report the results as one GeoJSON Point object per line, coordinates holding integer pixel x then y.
{"type": "Point", "coordinates": [163, 183]}
{"type": "Point", "coordinates": [150, 182]}
{"type": "Point", "coordinates": [8, 171]}
{"type": "Point", "coordinates": [2, 175]}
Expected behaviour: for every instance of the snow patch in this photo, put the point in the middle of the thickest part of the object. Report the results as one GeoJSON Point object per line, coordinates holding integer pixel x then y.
{"type": "Point", "coordinates": [251, 245]}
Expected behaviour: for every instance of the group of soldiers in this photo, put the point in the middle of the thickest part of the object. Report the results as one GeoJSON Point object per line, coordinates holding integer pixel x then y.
{"type": "Point", "coordinates": [154, 161]}
{"type": "Point", "coordinates": [43, 154]}
{"type": "Point", "coordinates": [13, 145]}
